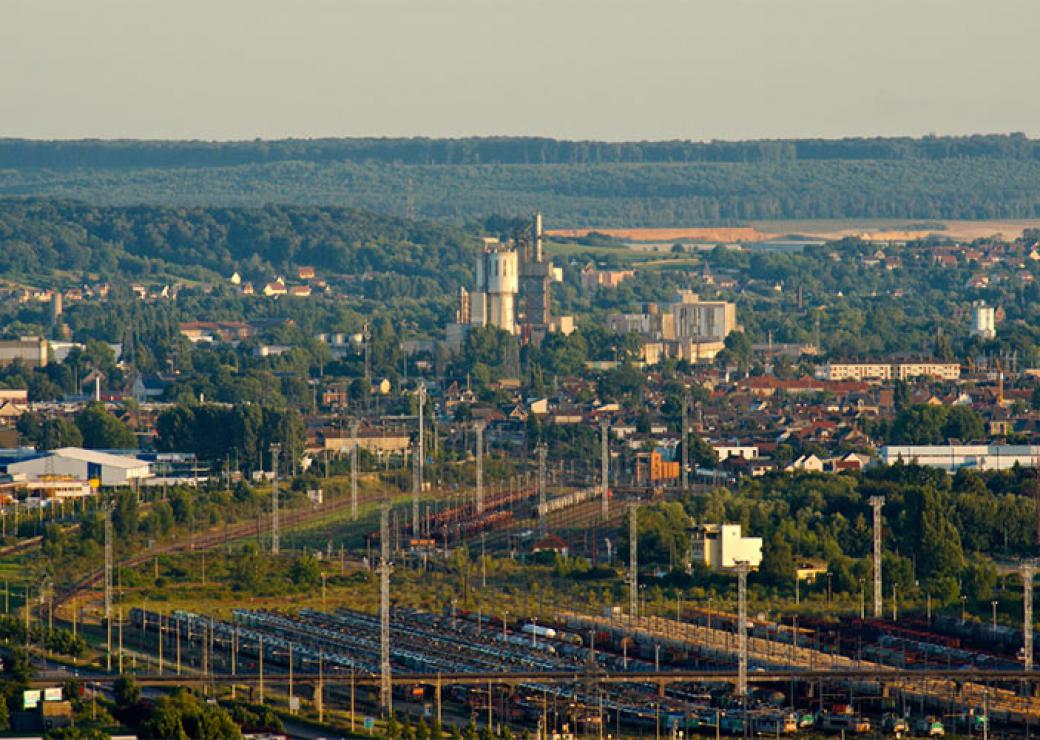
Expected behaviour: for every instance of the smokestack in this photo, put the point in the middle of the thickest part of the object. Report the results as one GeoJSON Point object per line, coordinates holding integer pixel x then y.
{"type": "Point", "coordinates": [56, 308]}
{"type": "Point", "coordinates": [97, 387]}
{"type": "Point", "coordinates": [536, 236]}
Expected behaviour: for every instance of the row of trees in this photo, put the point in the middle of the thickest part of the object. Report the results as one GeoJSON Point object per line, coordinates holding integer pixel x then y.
{"type": "Point", "coordinates": [93, 427]}
{"type": "Point", "coordinates": [240, 435]}
{"type": "Point", "coordinates": [22, 153]}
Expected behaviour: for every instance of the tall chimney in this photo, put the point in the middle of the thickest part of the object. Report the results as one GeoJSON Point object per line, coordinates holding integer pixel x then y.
{"type": "Point", "coordinates": [536, 236]}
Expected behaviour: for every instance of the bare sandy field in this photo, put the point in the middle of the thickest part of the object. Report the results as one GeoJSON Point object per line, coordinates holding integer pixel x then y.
{"type": "Point", "coordinates": [827, 229]}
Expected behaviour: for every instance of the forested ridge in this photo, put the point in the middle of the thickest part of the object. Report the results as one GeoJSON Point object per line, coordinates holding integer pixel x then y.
{"type": "Point", "coordinates": [575, 183]}
{"type": "Point", "coordinates": [39, 235]}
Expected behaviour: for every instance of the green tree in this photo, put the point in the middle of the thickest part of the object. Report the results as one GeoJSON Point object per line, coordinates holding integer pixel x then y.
{"type": "Point", "coordinates": [126, 692]}
{"type": "Point", "coordinates": [305, 571]}
{"type": "Point", "coordinates": [102, 430]}
{"type": "Point", "coordinates": [963, 423]}
{"type": "Point", "coordinates": [58, 432]}
{"type": "Point", "coordinates": [778, 564]}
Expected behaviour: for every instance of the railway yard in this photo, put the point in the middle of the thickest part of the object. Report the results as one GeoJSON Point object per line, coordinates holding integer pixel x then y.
{"type": "Point", "coordinates": [584, 660]}
{"type": "Point", "coordinates": [576, 671]}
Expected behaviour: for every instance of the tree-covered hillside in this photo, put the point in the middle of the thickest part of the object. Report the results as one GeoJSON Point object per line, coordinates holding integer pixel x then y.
{"type": "Point", "coordinates": [38, 236]}
{"type": "Point", "coordinates": [574, 183]}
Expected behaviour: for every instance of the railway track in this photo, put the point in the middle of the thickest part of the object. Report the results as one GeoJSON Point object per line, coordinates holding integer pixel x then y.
{"type": "Point", "coordinates": [217, 538]}
{"type": "Point", "coordinates": [933, 684]}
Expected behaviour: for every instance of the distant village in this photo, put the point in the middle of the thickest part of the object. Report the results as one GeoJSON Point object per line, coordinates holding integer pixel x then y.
{"type": "Point", "coordinates": [818, 422]}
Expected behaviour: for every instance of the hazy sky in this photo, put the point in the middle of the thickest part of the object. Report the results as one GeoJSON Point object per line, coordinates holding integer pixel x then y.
{"type": "Point", "coordinates": [610, 69]}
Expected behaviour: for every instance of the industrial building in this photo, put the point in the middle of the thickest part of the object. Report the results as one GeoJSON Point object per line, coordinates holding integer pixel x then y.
{"type": "Point", "coordinates": [32, 351]}
{"type": "Point", "coordinates": [687, 329]}
{"type": "Point", "coordinates": [721, 546]}
{"type": "Point", "coordinates": [954, 457]}
{"type": "Point", "coordinates": [512, 290]}
{"type": "Point", "coordinates": [651, 467]}
{"type": "Point", "coordinates": [84, 465]}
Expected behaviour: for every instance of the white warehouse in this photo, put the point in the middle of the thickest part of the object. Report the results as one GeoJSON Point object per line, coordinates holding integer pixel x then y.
{"type": "Point", "coordinates": [722, 546]}
{"type": "Point", "coordinates": [80, 464]}
{"type": "Point", "coordinates": [952, 458]}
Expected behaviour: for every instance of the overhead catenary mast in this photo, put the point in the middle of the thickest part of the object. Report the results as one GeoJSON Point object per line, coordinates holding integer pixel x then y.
{"type": "Point", "coordinates": [479, 429]}
{"type": "Point", "coordinates": [1027, 570]}
{"type": "Point", "coordinates": [275, 535]}
{"type": "Point", "coordinates": [742, 569]}
{"type": "Point", "coordinates": [385, 676]}
{"type": "Point", "coordinates": [685, 445]}
{"type": "Point", "coordinates": [419, 463]}
{"type": "Point", "coordinates": [353, 470]}
{"type": "Point", "coordinates": [542, 451]}
{"type": "Point", "coordinates": [604, 474]}
{"type": "Point", "coordinates": [108, 584]}
{"type": "Point", "coordinates": [877, 502]}
{"type": "Point", "coordinates": [633, 560]}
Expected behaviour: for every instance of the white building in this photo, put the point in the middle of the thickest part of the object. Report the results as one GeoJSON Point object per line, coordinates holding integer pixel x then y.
{"type": "Point", "coordinates": [84, 465]}
{"type": "Point", "coordinates": [954, 457]}
{"type": "Point", "coordinates": [721, 546]}
{"type": "Point", "coordinates": [859, 371]}
{"type": "Point", "coordinates": [805, 464]}
{"type": "Point", "coordinates": [702, 320]}
{"type": "Point", "coordinates": [744, 452]}
{"type": "Point", "coordinates": [983, 320]}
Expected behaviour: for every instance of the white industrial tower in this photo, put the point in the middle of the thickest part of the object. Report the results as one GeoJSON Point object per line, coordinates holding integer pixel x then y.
{"type": "Point", "coordinates": [877, 502]}
{"type": "Point", "coordinates": [493, 302]}
{"type": "Point", "coordinates": [275, 543]}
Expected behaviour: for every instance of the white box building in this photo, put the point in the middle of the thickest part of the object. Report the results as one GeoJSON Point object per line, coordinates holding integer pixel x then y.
{"type": "Point", "coordinates": [722, 546]}
{"type": "Point", "coordinates": [952, 458]}
{"type": "Point", "coordinates": [80, 464]}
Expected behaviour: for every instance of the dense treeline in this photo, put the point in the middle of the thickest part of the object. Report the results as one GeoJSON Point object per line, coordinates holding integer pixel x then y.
{"type": "Point", "coordinates": [573, 183]}
{"type": "Point", "coordinates": [39, 234]}
{"type": "Point", "coordinates": [18, 153]}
